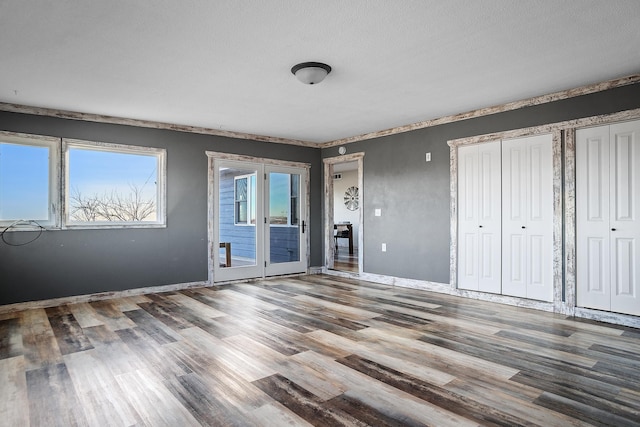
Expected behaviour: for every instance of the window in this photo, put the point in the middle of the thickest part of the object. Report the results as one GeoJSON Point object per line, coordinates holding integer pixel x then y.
{"type": "Point", "coordinates": [284, 190]}
{"type": "Point", "coordinates": [245, 199]}
{"type": "Point", "coordinates": [28, 179]}
{"type": "Point", "coordinates": [113, 185]}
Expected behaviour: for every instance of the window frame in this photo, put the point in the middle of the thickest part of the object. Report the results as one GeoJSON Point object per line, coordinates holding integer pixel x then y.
{"type": "Point", "coordinates": [53, 144]}
{"type": "Point", "coordinates": [161, 193]}
{"type": "Point", "coordinates": [250, 201]}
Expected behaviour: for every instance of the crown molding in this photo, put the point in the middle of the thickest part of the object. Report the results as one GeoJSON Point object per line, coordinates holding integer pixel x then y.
{"type": "Point", "coordinates": [99, 118]}
{"type": "Point", "coordinates": [543, 99]}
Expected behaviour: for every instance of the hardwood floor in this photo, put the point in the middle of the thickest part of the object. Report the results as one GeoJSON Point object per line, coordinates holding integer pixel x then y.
{"type": "Point", "coordinates": [313, 350]}
{"type": "Point", "coordinates": [344, 261]}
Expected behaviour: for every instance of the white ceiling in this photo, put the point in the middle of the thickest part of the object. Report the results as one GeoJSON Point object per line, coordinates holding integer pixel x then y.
{"type": "Point", "coordinates": [225, 64]}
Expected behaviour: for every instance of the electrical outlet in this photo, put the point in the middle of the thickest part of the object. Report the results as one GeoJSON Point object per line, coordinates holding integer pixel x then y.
{"type": "Point", "coordinates": [384, 247]}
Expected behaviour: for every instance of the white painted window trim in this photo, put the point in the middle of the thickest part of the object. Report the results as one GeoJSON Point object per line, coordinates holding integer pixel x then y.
{"type": "Point", "coordinates": [161, 188]}
{"type": "Point", "coordinates": [24, 224]}
{"type": "Point", "coordinates": [250, 202]}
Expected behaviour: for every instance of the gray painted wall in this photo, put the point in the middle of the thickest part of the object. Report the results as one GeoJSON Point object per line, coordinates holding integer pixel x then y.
{"type": "Point", "coordinates": [414, 195]}
{"type": "Point", "coordinates": [77, 262]}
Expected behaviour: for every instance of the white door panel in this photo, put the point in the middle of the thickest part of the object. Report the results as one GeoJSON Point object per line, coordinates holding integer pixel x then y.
{"type": "Point", "coordinates": [624, 216]}
{"type": "Point", "coordinates": [607, 223]}
{"type": "Point", "coordinates": [527, 188]}
{"type": "Point", "coordinates": [592, 218]}
{"type": "Point", "coordinates": [479, 217]}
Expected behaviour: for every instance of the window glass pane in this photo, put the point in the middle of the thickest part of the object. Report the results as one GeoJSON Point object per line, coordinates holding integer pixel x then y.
{"type": "Point", "coordinates": [295, 191]}
{"type": "Point", "coordinates": [278, 198]}
{"type": "Point", "coordinates": [108, 186]}
{"type": "Point", "coordinates": [252, 200]}
{"type": "Point", "coordinates": [24, 182]}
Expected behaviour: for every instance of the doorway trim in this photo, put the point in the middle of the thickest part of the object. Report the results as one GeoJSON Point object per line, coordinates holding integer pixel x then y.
{"type": "Point", "coordinates": [212, 182]}
{"type": "Point", "coordinates": [329, 248]}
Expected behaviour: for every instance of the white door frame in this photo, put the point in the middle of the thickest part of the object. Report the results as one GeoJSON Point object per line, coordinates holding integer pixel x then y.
{"type": "Point", "coordinates": [212, 183]}
{"type": "Point", "coordinates": [329, 246]}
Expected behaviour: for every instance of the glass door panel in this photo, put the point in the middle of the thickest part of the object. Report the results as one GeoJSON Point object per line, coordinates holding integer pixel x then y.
{"type": "Point", "coordinates": [286, 219]}
{"type": "Point", "coordinates": [238, 228]}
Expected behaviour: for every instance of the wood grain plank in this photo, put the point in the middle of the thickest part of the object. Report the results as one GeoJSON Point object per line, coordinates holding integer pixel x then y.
{"type": "Point", "coordinates": [98, 391]}
{"type": "Point", "coordinates": [276, 415]}
{"type": "Point", "coordinates": [244, 365]}
{"type": "Point", "coordinates": [395, 404]}
{"type": "Point", "coordinates": [155, 404]}
{"type": "Point", "coordinates": [153, 327]}
{"type": "Point", "coordinates": [303, 403]}
{"type": "Point", "coordinates": [39, 343]}
{"type": "Point", "coordinates": [52, 397]}
{"type": "Point", "coordinates": [112, 353]}
{"type": "Point", "coordinates": [111, 315]}
{"type": "Point", "coordinates": [460, 405]}
{"type": "Point", "coordinates": [85, 315]}
{"type": "Point", "coordinates": [10, 338]}
{"type": "Point", "coordinates": [14, 400]}
{"type": "Point", "coordinates": [68, 332]}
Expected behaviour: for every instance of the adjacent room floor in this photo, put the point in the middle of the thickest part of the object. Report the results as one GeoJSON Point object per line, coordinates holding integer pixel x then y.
{"type": "Point", "coordinates": [313, 350]}
{"type": "Point", "coordinates": [344, 261]}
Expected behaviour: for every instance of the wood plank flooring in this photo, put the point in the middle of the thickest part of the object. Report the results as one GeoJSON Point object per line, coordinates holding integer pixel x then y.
{"type": "Point", "coordinates": [313, 350]}
{"type": "Point", "coordinates": [344, 261]}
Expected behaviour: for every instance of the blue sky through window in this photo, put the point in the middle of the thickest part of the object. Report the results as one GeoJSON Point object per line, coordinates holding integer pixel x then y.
{"type": "Point", "coordinates": [24, 182]}
{"type": "Point", "coordinates": [95, 172]}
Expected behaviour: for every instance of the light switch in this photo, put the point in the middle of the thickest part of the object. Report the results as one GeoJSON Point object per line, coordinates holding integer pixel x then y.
{"type": "Point", "coordinates": [378, 212]}
{"type": "Point", "coordinates": [384, 247]}
{"type": "Point", "coordinates": [428, 157]}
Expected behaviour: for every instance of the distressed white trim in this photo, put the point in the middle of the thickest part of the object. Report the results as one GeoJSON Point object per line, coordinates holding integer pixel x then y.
{"type": "Point", "coordinates": [54, 178]}
{"type": "Point", "coordinates": [556, 96]}
{"type": "Point", "coordinates": [99, 118]}
{"type": "Point", "coordinates": [329, 248]}
{"type": "Point", "coordinates": [161, 192]}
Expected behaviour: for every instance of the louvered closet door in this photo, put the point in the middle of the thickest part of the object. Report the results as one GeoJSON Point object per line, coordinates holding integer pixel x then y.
{"type": "Point", "coordinates": [479, 205]}
{"type": "Point", "coordinates": [607, 223]}
{"type": "Point", "coordinates": [527, 217]}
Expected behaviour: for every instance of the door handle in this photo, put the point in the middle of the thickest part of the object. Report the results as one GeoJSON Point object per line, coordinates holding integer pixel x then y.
{"type": "Point", "coordinates": [613, 229]}
{"type": "Point", "coordinates": [303, 226]}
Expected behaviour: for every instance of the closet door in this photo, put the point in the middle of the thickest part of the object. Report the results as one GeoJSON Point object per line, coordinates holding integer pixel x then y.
{"type": "Point", "coordinates": [625, 217]}
{"type": "Point", "coordinates": [607, 223]}
{"type": "Point", "coordinates": [527, 217]}
{"type": "Point", "coordinates": [592, 218]}
{"type": "Point", "coordinates": [479, 205]}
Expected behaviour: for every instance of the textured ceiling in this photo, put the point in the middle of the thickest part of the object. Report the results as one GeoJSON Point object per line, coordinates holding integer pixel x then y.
{"type": "Point", "coordinates": [225, 64]}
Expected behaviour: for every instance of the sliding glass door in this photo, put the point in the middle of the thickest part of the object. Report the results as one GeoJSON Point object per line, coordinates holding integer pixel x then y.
{"type": "Point", "coordinates": [259, 220]}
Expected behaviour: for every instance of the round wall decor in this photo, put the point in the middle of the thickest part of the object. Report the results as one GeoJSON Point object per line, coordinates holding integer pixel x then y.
{"type": "Point", "coordinates": [351, 198]}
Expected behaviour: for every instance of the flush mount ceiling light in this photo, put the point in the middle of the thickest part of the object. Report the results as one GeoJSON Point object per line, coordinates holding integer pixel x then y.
{"type": "Point", "coordinates": [311, 73]}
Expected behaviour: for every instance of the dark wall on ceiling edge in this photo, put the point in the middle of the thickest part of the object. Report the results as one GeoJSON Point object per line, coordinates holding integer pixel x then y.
{"type": "Point", "coordinates": [78, 262]}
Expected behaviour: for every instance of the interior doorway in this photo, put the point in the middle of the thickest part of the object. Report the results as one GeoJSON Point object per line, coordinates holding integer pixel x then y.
{"type": "Point", "coordinates": [343, 216]}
